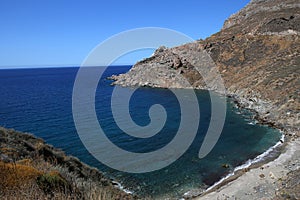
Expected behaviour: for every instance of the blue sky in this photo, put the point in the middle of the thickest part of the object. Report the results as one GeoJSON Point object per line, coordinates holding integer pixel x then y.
{"type": "Point", "coordinates": [63, 32]}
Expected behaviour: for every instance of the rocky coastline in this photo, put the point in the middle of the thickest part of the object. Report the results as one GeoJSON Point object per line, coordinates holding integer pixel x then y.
{"type": "Point", "coordinates": [260, 70]}
{"type": "Point", "coordinates": [257, 54]}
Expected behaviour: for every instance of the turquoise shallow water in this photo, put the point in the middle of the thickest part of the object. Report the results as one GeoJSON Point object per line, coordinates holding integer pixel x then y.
{"type": "Point", "coordinates": [40, 101]}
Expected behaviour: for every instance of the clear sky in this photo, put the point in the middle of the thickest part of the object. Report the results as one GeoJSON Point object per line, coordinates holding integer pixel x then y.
{"type": "Point", "coordinates": [63, 32]}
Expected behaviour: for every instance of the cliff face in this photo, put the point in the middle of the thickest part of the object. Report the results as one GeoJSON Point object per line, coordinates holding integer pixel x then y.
{"type": "Point", "coordinates": [257, 54]}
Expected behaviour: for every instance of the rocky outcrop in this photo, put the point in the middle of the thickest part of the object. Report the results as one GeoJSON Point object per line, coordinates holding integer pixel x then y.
{"type": "Point", "coordinates": [164, 69]}
{"type": "Point", "coordinates": [257, 54]}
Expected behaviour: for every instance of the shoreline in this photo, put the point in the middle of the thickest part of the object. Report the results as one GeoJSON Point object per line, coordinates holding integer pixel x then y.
{"type": "Point", "coordinates": [259, 112]}
{"type": "Point", "coordinates": [247, 182]}
{"type": "Point", "coordinates": [238, 171]}
{"type": "Point", "coordinates": [257, 162]}
{"type": "Point", "coordinates": [260, 161]}
{"type": "Point", "coordinates": [232, 181]}
{"type": "Point", "coordinates": [121, 187]}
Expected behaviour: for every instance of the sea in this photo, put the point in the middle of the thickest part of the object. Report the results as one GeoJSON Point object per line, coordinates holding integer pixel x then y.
{"type": "Point", "coordinates": [39, 101]}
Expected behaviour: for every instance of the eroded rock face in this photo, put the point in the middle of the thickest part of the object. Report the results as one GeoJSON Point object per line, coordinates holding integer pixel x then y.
{"type": "Point", "coordinates": [273, 15]}
{"type": "Point", "coordinates": [257, 54]}
{"type": "Point", "coordinates": [168, 68]}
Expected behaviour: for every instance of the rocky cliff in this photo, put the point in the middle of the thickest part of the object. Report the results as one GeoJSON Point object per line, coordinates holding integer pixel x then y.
{"type": "Point", "coordinates": [257, 53]}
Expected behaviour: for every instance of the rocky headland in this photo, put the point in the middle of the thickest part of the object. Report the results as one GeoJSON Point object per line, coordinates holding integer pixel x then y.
{"type": "Point", "coordinates": [257, 54]}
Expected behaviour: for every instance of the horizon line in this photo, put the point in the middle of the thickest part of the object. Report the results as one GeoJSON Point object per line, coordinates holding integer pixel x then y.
{"type": "Point", "coordinates": [55, 66]}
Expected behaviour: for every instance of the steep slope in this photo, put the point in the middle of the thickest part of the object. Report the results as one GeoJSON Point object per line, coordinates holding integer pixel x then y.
{"type": "Point", "coordinates": [32, 169]}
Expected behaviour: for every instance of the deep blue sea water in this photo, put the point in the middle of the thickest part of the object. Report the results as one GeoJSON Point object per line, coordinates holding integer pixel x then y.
{"type": "Point", "coordinates": [39, 101]}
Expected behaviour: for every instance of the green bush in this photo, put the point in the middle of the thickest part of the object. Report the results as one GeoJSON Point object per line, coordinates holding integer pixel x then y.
{"type": "Point", "coordinates": [51, 182]}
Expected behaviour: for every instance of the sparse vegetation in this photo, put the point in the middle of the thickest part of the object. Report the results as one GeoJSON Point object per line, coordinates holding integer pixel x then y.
{"type": "Point", "coordinates": [52, 181]}
{"type": "Point", "coordinates": [31, 169]}
{"type": "Point", "coordinates": [14, 176]}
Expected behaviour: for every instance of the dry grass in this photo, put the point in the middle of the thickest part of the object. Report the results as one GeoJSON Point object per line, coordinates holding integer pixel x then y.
{"type": "Point", "coordinates": [38, 179]}
{"type": "Point", "coordinates": [14, 176]}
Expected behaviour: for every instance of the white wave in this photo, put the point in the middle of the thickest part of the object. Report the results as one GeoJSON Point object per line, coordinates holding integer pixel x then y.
{"type": "Point", "coordinates": [249, 162]}
{"type": "Point", "coordinates": [118, 185]}
{"type": "Point", "coordinates": [251, 123]}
